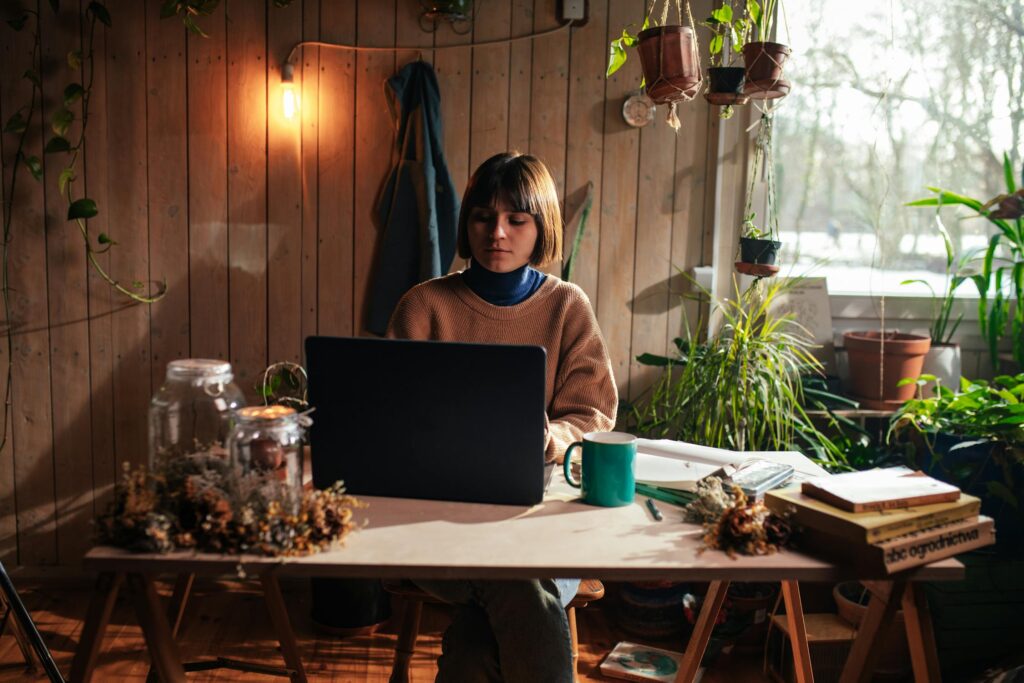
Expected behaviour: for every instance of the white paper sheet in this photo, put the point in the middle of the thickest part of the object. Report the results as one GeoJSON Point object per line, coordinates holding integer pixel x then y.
{"type": "Point", "coordinates": [717, 457]}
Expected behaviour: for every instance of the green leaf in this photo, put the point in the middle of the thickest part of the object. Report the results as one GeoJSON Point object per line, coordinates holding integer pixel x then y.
{"type": "Point", "coordinates": [998, 489]}
{"type": "Point", "coordinates": [65, 177]}
{"type": "Point", "coordinates": [616, 57]}
{"type": "Point", "coordinates": [653, 360]}
{"type": "Point", "coordinates": [192, 26]}
{"type": "Point", "coordinates": [754, 10]}
{"type": "Point", "coordinates": [16, 124]}
{"type": "Point", "coordinates": [35, 166]}
{"type": "Point", "coordinates": [18, 23]}
{"type": "Point", "coordinates": [168, 9]}
{"type": "Point", "coordinates": [715, 46]}
{"type": "Point", "coordinates": [61, 121]}
{"type": "Point", "coordinates": [100, 13]}
{"type": "Point", "coordinates": [723, 14]}
{"type": "Point", "coordinates": [82, 208]}
{"type": "Point", "coordinates": [75, 59]}
{"type": "Point", "coordinates": [1011, 187]}
{"type": "Point", "coordinates": [104, 238]}
{"type": "Point", "coordinates": [72, 92]}
{"type": "Point", "coordinates": [57, 144]}
{"type": "Point", "coordinates": [31, 75]}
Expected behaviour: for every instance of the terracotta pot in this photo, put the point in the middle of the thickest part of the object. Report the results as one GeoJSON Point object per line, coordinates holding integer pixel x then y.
{"type": "Point", "coordinates": [904, 357]}
{"type": "Point", "coordinates": [764, 63]}
{"type": "Point", "coordinates": [670, 63]}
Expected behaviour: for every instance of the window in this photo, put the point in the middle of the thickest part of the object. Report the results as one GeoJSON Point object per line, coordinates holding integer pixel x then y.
{"type": "Point", "coordinates": [888, 98]}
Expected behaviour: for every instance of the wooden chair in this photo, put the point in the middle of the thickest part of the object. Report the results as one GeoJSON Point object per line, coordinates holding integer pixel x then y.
{"type": "Point", "coordinates": [589, 591]}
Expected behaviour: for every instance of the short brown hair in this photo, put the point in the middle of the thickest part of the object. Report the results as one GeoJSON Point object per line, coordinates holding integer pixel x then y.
{"type": "Point", "coordinates": [524, 183]}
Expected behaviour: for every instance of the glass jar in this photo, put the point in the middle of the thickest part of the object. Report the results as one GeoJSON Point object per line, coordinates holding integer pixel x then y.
{"type": "Point", "coordinates": [193, 409]}
{"type": "Point", "coordinates": [268, 440]}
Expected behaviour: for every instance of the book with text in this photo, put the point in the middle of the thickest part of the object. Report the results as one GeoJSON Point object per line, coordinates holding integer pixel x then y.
{"type": "Point", "coordinates": [880, 489]}
{"type": "Point", "coordinates": [867, 527]}
{"type": "Point", "coordinates": [904, 552]}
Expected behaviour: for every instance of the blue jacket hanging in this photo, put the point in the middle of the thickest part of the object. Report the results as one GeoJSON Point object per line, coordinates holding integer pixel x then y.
{"type": "Point", "coordinates": [418, 209]}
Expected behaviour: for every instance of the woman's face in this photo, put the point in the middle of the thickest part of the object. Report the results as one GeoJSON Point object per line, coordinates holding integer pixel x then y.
{"type": "Point", "coordinates": [501, 239]}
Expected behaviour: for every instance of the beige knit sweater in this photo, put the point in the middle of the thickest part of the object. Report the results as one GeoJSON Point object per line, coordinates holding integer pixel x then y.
{"type": "Point", "coordinates": [579, 387]}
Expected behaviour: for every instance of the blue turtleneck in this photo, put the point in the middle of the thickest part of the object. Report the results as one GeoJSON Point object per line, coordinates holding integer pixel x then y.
{"type": "Point", "coordinates": [503, 289]}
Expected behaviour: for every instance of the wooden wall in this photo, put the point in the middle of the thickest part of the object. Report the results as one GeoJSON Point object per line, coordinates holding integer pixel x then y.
{"type": "Point", "coordinates": [263, 228]}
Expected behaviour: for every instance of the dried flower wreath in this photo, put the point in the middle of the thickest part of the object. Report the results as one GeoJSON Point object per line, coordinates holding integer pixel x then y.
{"type": "Point", "coordinates": [202, 501]}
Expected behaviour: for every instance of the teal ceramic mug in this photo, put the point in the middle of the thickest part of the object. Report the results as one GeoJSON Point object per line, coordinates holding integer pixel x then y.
{"type": "Point", "coordinates": [609, 464]}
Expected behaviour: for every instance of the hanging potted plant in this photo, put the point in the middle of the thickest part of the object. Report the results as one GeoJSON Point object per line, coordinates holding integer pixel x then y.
{"type": "Point", "coordinates": [764, 60]}
{"type": "Point", "coordinates": [725, 80]}
{"type": "Point", "coordinates": [668, 57]}
{"type": "Point", "coordinates": [759, 247]}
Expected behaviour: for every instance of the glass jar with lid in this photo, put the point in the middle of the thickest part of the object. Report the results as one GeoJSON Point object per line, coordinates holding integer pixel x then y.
{"type": "Point", "coordinates": [193, 409]}
{"type": "Point", "coordinates": [268, 440]}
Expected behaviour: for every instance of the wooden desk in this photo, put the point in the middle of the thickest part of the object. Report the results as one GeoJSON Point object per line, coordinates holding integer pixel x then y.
{"type": "Point", "coordinates": [561, 537]}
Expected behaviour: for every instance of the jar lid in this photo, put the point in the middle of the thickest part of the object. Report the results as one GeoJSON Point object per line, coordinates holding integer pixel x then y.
{"type": "Point", "coordinates": [268, 413]}
{"type": "Point", "coordinates": [200, 368]}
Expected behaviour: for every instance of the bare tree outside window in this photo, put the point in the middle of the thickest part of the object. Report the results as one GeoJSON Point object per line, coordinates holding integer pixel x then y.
{"type": "Point", "coordinates": [888, 98]}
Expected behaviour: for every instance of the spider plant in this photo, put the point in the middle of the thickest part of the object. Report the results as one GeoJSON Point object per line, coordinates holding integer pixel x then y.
{"type": "Point", "coordinates": [742, 388]}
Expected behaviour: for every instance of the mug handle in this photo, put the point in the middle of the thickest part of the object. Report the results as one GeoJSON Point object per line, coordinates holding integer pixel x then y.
{"type": "Point", "coordinates": [567, 468]}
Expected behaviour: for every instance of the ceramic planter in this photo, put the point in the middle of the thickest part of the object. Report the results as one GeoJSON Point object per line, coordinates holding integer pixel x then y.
{"type": "Point", "coordinates": [873, 379]}
{"type": "Point", "coordinates": [943, 361]}
{"type": "Point", "coordinates": [725, 85]}
{"type": "Point", "coordinates": [764, 63]}
{"type": "Point", "coordinates": [759, 251]}
{"type": "Point", "coordinates": [669, 61]}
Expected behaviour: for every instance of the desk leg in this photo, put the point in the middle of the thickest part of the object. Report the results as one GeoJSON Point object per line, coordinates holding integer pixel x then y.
{"type": "Point", "coordinates": [96, 619]}
{"type": "Point", "coordinates": [797, 632]}
{"type": "Point", "coordinates": [283, 626]}
{"type": "Point", "coordinates": [175, 611]}
{"type": "Point", "coordinates": [163, 652]}
{"type": "Point", "coordinates": [885, 600]}
{"type": "Point", "coordinates": [920, 635]}
{"type": "Point", "coordinates": [709, 610]}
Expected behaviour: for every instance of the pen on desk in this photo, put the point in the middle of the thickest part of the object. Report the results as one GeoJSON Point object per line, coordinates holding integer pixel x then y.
{"type": "Point", "coordinates": [654, 509]}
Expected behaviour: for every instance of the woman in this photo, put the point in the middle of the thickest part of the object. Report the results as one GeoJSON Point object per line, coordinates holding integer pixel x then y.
{"type": "Point", "coordinates": [509, 223]}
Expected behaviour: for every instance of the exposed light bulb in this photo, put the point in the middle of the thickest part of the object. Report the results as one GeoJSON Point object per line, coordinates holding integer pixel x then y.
{"type": "Point", "coordinates": [290, 101]}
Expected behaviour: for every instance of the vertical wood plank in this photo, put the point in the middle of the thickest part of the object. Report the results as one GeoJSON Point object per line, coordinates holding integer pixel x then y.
{"type": "Point", "coordinates": [69, 330]}
{"type": "Point", "coordinates": [653, 268]}
{"type": "Point", "coordinates": [550, 90]}
{"type": "Point", "coordinates": [167, 186]}
{"type": "Point", "coordinates": [247, 191]}
{"type": "Point", "coordinates": [208, 190]}
{"type": "Point", "coordinates": [454, 69]}
{"type": "Point", "coordinates": [374, 143]}
{"type": "Point", "coordinates": [101, 302]}
{"type": "Point", "coordinates": [618, 205]}
{"type": "Point", "coordinates": [308, 68]}
{"type": "Point", "coordinates": [520, 76]}
{"type": "Point", "coordinates": [408, 32]}
{"type": "Point", "coordinates": [8, 510]}
{"type": "Point", "coordinates": [693, 194]}
{"type": "Point", "coordinates": [585, 139]}
{"type": "Point", "coordinates": [284, 194]}
{"type": "Point", "coordinates": [490, 86]}
{"type": "Point", "coordinates": [337, 169]}
{"type": "Point", "coordinates": [32, 425]}
{"type": "Point", "coordinates": [129, 260]}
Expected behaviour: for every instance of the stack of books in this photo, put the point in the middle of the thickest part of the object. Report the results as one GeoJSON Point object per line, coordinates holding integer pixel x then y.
{"type": "Point", "coordinates": [884, 519]}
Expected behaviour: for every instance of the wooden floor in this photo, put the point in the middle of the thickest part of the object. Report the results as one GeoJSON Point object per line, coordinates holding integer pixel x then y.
{"type": "Point", "coordinates": [229, 619]}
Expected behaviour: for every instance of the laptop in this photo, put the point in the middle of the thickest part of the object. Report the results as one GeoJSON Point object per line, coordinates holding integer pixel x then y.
{"type": "Point", "coordinates": [428, 419]}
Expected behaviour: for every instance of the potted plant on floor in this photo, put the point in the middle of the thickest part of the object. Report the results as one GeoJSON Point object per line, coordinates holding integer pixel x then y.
{"type": "Point", "coordinates": [725, 80]}
{"type": "Point", "coordinates": [879, 361]}
{"type": "Point", "coordinates": [999, 283]}
{"type": "Point", "coordinates": [974, 438]}
{"type": "Point", "coordinates": [764, 60]}
{"type": "Point", "coordinates": [943, 357]}
{"type": "Point", "coordinates": [759, 247]}
{"type": "Point", "coordinates": [668, 56]}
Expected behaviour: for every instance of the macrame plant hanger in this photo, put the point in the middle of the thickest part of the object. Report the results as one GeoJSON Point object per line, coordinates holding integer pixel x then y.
{"type": "Point", "coordinates": [676, 94]}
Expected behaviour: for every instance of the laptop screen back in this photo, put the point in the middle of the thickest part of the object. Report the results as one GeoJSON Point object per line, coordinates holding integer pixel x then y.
{"type": "Point", "coordinates": [428, 419]}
